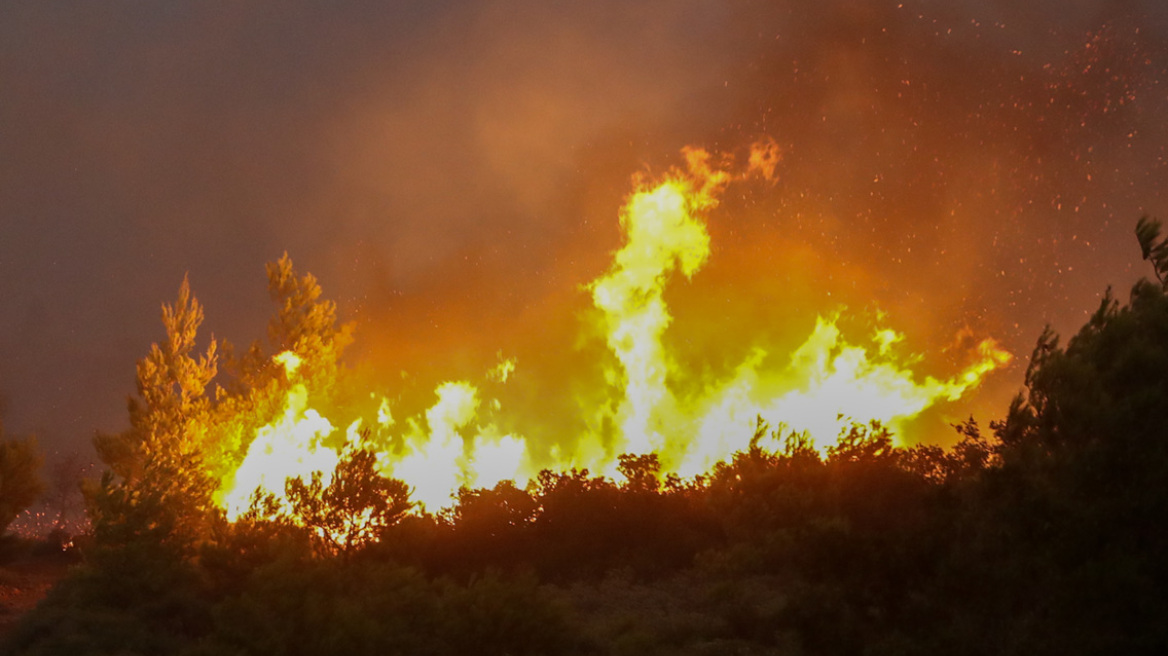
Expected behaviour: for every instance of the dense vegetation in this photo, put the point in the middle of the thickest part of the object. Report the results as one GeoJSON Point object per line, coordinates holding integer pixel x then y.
{"type": "Point", "coordinates": [1046, 535]}
{"type": "Point", "coordinates": [20, 476]}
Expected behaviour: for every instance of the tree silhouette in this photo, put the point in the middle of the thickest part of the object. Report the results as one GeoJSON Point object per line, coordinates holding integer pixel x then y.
{"type": "Point", "coordinates": [354, 508]}
{"type": "Point", "coordinates": [642, 473]}
{"type": "Point", "coordinates": [1071, 513]}
{"type": "Point", "coordinates": [1147, 232]}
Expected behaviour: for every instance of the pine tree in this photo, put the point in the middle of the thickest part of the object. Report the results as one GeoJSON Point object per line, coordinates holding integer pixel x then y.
{"type": "Point", "coordinates": [157, 482]}
{"type": "Point", "coordinates": [306, 325]}
{"type": "Point", "coordinates": [255, 388]}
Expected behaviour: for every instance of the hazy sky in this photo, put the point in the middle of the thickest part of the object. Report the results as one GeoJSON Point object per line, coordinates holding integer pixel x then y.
{"type": "Point", "coordinates": [452, 171]}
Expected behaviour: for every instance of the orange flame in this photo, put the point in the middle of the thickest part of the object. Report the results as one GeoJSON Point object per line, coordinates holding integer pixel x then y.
{"type": "Point", "coordinates": [825, 385]}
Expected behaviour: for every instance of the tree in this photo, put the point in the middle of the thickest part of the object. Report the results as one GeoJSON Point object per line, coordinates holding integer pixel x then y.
{"type": "Point", "coordinates": [642, 473]}
{"type": "Point", "coordinates": [20, 477]}
{"type": "Point", "coordinates": [306, 325]}
{"type": "Point", "coordinates": [1071, 513]}
{"type": "Point", "coordinates": [354, 508]}
{"type": "Point", "coordinates": [255, 386]}
{"type": "Point", "coordinates": [157, 483]}
{"type": "Point", "coordinates": [303, 324]}
{"type": "Point", "coordinates": [486, 514]}
{"type": "Point", "coordinates": [1107, 389]}
{"type": "Point", "coordinates": [1147, 232]}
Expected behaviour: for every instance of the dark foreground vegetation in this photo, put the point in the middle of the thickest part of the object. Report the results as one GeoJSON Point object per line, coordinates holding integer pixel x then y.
{"type": "Point", "coordinates": [1045, 534]}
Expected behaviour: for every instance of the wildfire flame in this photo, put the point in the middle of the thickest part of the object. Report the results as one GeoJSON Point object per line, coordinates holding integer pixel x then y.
{"type": "Point", "coordinates": [826, 384]}
{"type": "Point", "coordinates": [289, 447]}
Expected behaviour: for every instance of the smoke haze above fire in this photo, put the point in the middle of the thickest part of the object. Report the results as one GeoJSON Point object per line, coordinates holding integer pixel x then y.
{"type": "Point", "coordinates": [453, 172]}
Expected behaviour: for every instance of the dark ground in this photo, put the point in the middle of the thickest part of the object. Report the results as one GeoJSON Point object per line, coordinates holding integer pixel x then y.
{"type": "Point", "coordinates": [25, 578]}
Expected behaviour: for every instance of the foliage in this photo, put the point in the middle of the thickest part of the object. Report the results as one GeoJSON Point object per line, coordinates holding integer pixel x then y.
{"type": "Point", "coordinates": [355, 507]}
{"type": "Point", "coordinates": [642, 473]}
{"type": "Point", "coordinates": [1075, 509]}
{"type": "Point", "coordinates": [305, 324]}
{"type": "Point", "coordinates": [157, 486]}
{"type": "Point", "coordinates": [253, 387]}
{"type": "Point", "coordinates": [20, 477]}
{"type": "Point", "coordinates": [164, 470]}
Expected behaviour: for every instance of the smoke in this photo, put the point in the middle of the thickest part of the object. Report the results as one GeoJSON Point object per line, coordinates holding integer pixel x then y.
{"type": "Point", "coordinates": [452, 172]}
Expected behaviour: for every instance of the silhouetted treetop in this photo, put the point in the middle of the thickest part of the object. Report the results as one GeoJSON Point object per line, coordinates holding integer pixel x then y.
{"type": "Point", "coordinates": [1156, 252]}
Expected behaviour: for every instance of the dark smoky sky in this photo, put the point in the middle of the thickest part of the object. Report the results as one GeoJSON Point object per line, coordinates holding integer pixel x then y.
{"type": "Point", "coordinates": [452, 171]}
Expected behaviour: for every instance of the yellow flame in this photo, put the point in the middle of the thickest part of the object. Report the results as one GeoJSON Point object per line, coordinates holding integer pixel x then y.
{"type": "Point", "coordinates": [502, 371]}
{"type": "Point", "coordinates": [836, 384]}
{"type": "Point", "coordinates": [663, 234]}
{"type": "Point", "coordinates": [439, 459]}
{"type": "Point", "coordinates": [384, 415]}
{"type": "Point", "coordinates": [827, 384]}
{"type": "Point", "coordinates": [290, 361]}
{"type": "Point", "coordinates": [432, 465]}
{"type": "Point", "coordinates": [819, 388]}
{"type": "Point", "coordinates": [289, 447]}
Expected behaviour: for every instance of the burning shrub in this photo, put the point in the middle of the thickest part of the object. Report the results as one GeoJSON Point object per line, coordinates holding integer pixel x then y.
{"type": "Point", "coordinates": [354, 508]}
